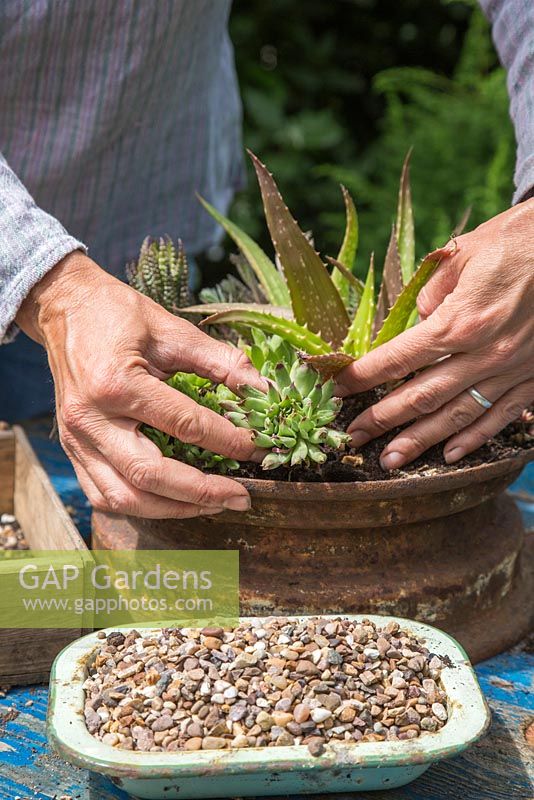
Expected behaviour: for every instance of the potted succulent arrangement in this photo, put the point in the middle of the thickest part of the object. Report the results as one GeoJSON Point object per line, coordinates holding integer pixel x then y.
{"type": "Point", "coordinates": [328, 531]}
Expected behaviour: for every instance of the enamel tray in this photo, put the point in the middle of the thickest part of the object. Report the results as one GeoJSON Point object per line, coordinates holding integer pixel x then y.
{"type": "Point", "coordinates": [343, 767]}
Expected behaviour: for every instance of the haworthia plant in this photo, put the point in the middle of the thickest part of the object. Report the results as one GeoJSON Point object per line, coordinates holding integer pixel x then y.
{"type": "Point", "coordinates": [161, 273]}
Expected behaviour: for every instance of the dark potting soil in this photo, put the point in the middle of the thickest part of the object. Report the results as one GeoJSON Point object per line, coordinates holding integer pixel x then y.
{"type": "Point", "coordinates": [364, 464]}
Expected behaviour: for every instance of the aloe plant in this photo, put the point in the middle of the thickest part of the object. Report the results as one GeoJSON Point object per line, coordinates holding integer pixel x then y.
{"type": "Point", "coordinates": [333, 317]}
{"type": "Point", "coordinates": [303, 321]}
{"type": "Point", "coordinates": [161, 273]}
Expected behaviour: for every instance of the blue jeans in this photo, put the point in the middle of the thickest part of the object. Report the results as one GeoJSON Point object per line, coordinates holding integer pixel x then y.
{"type": "Point", "coordinates": [26, 387]}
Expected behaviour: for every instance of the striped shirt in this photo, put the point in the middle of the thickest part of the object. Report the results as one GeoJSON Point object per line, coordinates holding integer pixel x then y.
{"type": "Point", "coordinates": [115, 112]}
{"type": "Point", "coordinates": [513, 33]}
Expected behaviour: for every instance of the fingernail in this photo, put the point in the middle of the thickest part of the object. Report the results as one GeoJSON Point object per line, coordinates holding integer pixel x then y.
{"type": "Point", "coordinates": [453, 455]}
{"type": "Point", "coordinates": [238, 503]}
{"type": "Point", "coordinates": [211, 510]}
{"type": "Point", "coordinates": [392, 460]}
{"type": "Point", "coordinates": [359, 437]}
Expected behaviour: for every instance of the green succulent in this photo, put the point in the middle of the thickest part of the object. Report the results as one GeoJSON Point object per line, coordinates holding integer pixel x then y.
{"type": "Point", "coordinates": [206, 394]}
{"type": "Point", "coordinates": [291, 420]}
{"type": "Point", "coordinates": [330, 315]}
{"type": "Point", "coordinates": [303, 323]}
{"type": "Point", "coordinates": [231, 289]}
{"type": "Point", "coordinates": [266, 352]}
{"type": "Point", "coordinates": [161, 273]}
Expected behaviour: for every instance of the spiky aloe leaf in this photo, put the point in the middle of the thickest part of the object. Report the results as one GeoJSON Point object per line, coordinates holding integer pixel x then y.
{"type": "Point", "coordinates": [297, 335]}
{"type": "Point", "coordinates": [404, 228]}
{"type": "Point", "coordinates": [406, 303]}
{"type": "Point", "coordinates": [462, 222]}
{"type": "Point", "coordinates": [248, 277]}
{"type": "Point", "coordinates": [270, 279]}
{"type": "Point", "coordinates": [315, 300]}
{"type": "Point", "coordinates": [349, 247]}
{"type": "Point", "coordinates": [391, 285]}
{"type": "Point", "coordinates": [358, 339]}
{"type": "Point", "coordinates": [329, 364]}
{"type": "Point", "coordinates": [216, 308]}
{"type": "Point", "coordinates": [352, 281]}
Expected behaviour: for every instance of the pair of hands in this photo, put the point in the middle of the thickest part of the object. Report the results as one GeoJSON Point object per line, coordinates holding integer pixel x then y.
{"type": "Point", "coordinates": [110, 349]}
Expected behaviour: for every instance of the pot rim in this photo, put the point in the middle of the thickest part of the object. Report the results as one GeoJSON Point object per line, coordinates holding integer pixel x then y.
{"type": "Point", "coordinates": [386, 489]}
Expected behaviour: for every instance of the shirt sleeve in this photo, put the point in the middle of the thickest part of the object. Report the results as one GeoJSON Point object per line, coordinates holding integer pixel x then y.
{"type": "Point", "coordinates": [31, 243]}
{"type": "Point", "coordinates": [513, 33]}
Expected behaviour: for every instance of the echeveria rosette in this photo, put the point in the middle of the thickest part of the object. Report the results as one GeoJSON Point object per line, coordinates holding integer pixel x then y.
{"type": "Point", "coordinates": [291, 420]}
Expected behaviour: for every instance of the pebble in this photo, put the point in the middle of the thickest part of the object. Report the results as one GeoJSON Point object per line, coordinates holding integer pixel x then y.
{"type": "Point", "coordinates": [282, 718]}
{"type": "Point", "coordinates": [212, 643]}
{"type": "Point", "coordinates": [214, 743]}
{"type": "Point", "coordinates": [241, 741]}
{"type": "Point", "coordinates": [316, 746]}
{"type": "Point", "coordinates": [245, 660]}
{"type": "Point", "coordinates": [319, 715]}
{"type": "Point", "coordinates": [347, 714]}
{"type": "Point", "coordinates": [301, 713]}
{"type": "Point", "coordinates": [371, 653]}
{"type": "Point", "coordinates": [439, 711]}
{"type": "Point", "coordinates": [282, 684]}
{"type": "Point", "coordinates": [218, 633]}
{"type": "Point", "coordinates": [195, 743]}
{"type": "Point", "coordinates": [265, 721]}
{"type": "Point", "coordinates": [305, 667]}
{"type": "Point", "coordinates": [162, 723]}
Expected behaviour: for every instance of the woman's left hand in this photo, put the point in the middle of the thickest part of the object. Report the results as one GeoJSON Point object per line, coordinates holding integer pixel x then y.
{"type": "Point", "coordinates": [477, 309]}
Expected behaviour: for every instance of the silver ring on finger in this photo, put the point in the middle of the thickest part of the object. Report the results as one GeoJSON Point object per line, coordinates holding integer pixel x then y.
{"type": "Point", "coordinates": [479, 398]}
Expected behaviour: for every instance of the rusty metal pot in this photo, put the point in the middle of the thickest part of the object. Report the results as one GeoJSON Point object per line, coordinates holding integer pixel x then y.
{"type": "Point", "coordinates": [447, 549]}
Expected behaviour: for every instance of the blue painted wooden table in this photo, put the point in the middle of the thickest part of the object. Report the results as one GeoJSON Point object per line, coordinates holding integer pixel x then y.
{"type": "Point", "coordinates": [500, 767]}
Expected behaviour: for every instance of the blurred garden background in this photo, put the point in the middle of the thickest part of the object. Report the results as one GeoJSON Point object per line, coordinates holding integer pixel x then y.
{"type": "Point", "coordinates": [337, 92]}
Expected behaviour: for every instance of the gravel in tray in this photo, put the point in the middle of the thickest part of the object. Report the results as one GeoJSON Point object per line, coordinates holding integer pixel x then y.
{"type": "Point", "coordinates": [283, 682]}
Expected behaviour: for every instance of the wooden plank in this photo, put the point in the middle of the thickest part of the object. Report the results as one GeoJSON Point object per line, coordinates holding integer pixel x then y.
{"type": "Point", "coordinates": [7, 471]}
{"type": "Point", "coordinates": [26, 655]}
{"type": "Point", "coordinates": [39, 511]}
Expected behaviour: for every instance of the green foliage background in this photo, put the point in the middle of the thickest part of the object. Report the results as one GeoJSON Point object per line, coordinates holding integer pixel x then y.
{"type": "Point", "coordinates": [338, 92]}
